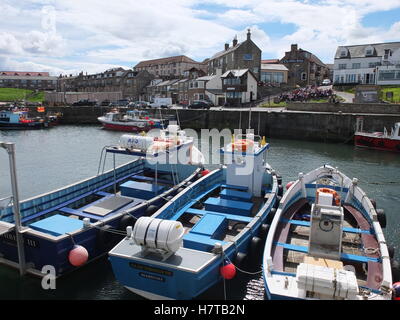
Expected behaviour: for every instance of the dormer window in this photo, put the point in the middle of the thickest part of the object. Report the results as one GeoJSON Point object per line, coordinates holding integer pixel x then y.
{"type": "Point", "coordinates": [387, 54]}
{"type": "Point", "coordinates": [343, 53]}
{"type": "Point", "coordinates": [369, 51]}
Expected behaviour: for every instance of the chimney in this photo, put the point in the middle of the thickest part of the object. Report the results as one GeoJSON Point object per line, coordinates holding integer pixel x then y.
{"type": "Point", "coordinates": [248, 34]}
{"type": "Point", "coordinates": [235, 41]}
{"type": "Point", "coordinates": [226, 46]}
{"type": "Point", "coordinates": [293, 47]}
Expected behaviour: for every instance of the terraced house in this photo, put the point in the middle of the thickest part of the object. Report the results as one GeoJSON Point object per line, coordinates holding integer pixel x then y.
{"type": "Point", "coordinates": [241, 55]}
{"type": "Point", "coordinates": [170, 67]}
{"type": "Point", "coordinates": [304, 68]}
{"type": "Point", "coordinates": [130, 83]}
{"type": "Point", "coordinates": [27, 80]}
{"type": "Point", "coordinates": [377, 63]}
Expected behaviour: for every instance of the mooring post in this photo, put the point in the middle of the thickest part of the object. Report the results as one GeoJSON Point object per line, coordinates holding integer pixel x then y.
{"type": "Point", "coordinates": [10, 148]}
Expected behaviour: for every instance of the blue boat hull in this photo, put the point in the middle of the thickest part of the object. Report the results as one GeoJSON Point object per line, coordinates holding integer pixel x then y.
{"type": "Point", "coordinates": [43, 249]}
{"type": "Point", "coordinates": [156, 280]}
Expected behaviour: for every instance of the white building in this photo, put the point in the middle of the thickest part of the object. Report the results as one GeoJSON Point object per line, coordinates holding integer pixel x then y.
{"type": "Point", "coordinates": [377, 63]}
{"type": "Point", "coordinates": [240, 86]}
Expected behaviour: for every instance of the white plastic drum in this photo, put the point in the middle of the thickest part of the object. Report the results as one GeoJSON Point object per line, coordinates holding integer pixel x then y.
{"type": "Point", "coordinates": [129, 141]}
{"type": "Point", "coordinates": [158, 234]}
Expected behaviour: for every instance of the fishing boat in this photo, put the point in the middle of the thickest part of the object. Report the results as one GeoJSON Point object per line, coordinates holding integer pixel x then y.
{"type": "Point", "coordinates": [378, 140]}
{"type": "Point", "coordinates": [54, 118]}
{"type": "Point", "coordinates": [195, 240]}
{"type": "Point", "coordinates": [131, 121]}
{"type": "Point", "coordinates": [19, 119]}
{"type": "Point", "coordinates": [326, 242]}
{"type": "Point", "coordinates": [76, 224]}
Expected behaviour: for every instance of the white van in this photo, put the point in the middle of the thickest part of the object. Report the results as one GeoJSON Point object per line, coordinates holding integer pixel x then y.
{"type": "Point", "coordinates": [161, 103]}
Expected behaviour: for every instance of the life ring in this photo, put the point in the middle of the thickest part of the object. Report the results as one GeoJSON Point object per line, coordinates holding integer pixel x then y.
{"type": "Point", "coordinates": [242, 144]}
{"type": "Point", "coordinates": [336, 197]}
{"type": "Point", "coordinates": [161, 145]}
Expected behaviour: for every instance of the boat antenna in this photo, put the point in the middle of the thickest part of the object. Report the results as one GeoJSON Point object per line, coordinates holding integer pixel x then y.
{"type": "Point", "coordinates": [177, 118]}
{"type": "Point", "coordinates": [161, 118]}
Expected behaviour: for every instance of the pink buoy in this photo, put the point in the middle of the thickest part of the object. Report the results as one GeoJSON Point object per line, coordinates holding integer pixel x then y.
{"type": "Point", "coordinates": [289, 184]}
{"type": "Point", "coordinates": [228, 271]}
{"type": "Point", "coordinates": [78, 256]}
{"type": "Point", "coordinates": [205, 172]}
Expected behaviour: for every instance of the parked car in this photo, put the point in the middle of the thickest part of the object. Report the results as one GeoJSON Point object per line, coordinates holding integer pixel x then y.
{"type": "Point", "coordinates": [140, 104]}
{"type": "Point", "coordinates": [208, 102]}
{"type": "Point", "coordinates": [84, 102]}
{"type": "Point", "coordinates": [199, 104]}
{"type": "Point", "coordinates": [123, 103]}
{"type": "Point", "coordinates": [105, 103]}
{"type": "Point", "coordinates": [326, 82]}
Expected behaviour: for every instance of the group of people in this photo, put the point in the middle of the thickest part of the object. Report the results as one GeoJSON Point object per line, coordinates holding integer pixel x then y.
{"type": "Point", "coordinates": [307, 93]}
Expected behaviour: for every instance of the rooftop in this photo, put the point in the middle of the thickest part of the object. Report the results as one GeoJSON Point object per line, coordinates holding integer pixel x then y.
{"type": "Point", "coordinates": [174, 59]}
{"type": "Point", "coordinates": [24, 73]}
{"type": "Point", "coordinates": [277, 66]}
{"type": "Point", "coordinates": [358, 51]}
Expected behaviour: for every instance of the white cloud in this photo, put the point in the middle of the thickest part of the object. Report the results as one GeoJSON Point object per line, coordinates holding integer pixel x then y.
{"type": "Point", "coordinates": [93, 35]}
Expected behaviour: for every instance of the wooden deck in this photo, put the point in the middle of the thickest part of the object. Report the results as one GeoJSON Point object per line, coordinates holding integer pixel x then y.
{"type": "Point", "coordinates": [292, 238]}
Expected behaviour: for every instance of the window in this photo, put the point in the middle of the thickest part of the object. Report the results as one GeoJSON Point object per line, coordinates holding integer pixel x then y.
{"type": "Point", "coordinates": [248, 57]}
{"type": "Point", "coordinates": [387, 54]}
{"type": "Point", "coordinates": [387, 75]}
{"type": "Point", "coordinates": [343, 53]}
{"type": "Point", "coordinates": [342, 66]}
{"type": "Point", "coordinates": [303, 76]}
{"type": "Point", "coordinates": [233, 95]}
{"type": "Point", "coordinates": [255, 69]}
{"type": "Point", "coordinates": [356, 65]}
{"type": "Point", "coordinates": [229, 81]}
{"type": "Point", "coordinates": [369, 51]}
{"type": "Point", "coordinates": [350, 78]}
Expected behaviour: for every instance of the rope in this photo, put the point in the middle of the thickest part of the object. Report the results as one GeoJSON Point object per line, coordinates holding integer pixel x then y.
{"type": "Point", "coordinates": [243, 271]}
{"type": "Point", "coordinates": [381, 183]}
{"type": "Point", "coordinates": [114, 231]}
{"type": "Point", "coordinates": [371, 250]}
{"type": "Point", "coordinates": [72, 238]}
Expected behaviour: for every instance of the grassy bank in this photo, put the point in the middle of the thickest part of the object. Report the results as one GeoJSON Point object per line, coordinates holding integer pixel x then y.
{"type": "Point", "coordinates": [12, 94]}
{"type": "Point", "coordinates": [396, 94]}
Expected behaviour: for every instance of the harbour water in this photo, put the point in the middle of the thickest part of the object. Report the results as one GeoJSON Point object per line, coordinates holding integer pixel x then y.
{"type": "Point", "coordinates": [50, 159]}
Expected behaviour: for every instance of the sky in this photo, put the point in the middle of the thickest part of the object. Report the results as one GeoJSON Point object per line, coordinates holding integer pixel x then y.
{"type": "Point", "coordinates": [70, 36]}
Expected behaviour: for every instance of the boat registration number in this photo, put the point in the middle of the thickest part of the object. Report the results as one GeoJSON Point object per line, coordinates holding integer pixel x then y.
{"type": "Point", "coordinates": [151, 269]}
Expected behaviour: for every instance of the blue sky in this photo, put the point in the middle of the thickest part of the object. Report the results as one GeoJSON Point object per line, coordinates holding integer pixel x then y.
{"type": "Point", "coordinates": [69, 36]}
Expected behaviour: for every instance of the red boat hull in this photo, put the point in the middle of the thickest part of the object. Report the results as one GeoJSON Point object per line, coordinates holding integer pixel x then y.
{"type": "Point", "coordinates": [120, 127]}
{"type": "Point", "coordinates": [378, 143]}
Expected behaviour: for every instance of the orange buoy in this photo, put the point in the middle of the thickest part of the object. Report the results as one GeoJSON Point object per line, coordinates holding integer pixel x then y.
{"type": "Point", "coordinates": [289, 184]}
{"type": "Point", "coordinates": [204, 172]}
{"type": "Point", "coordinates": [336, 197]}
{"type": "Point", "coordinates": [396, 291]}
{"type": "Point", "coordinates": [242, 144]}
{"type": "Point", "coordinates": [228, 271]}
{"type": "Point", "coordinates": [78, 256]}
